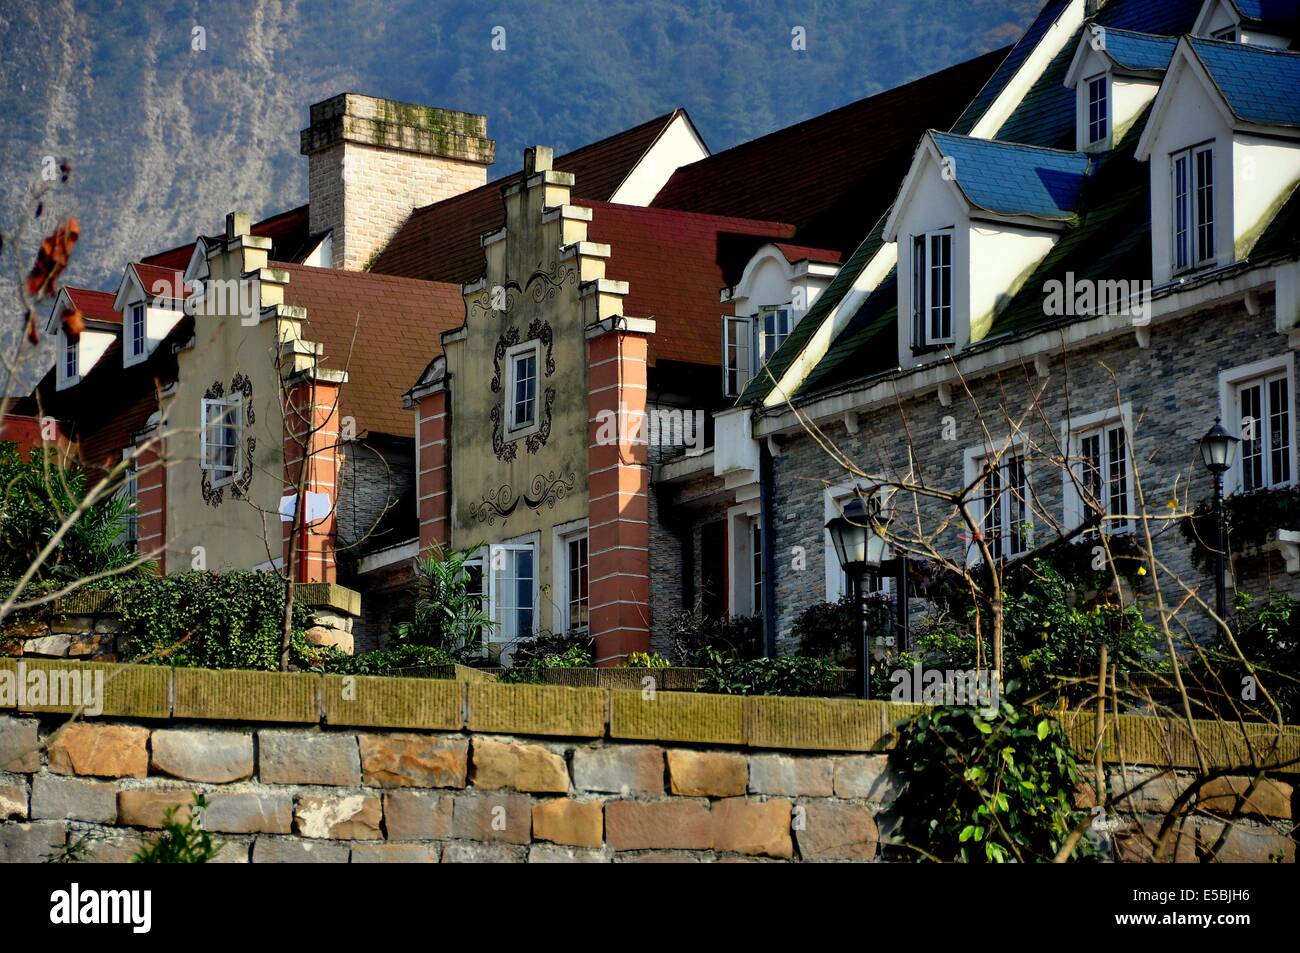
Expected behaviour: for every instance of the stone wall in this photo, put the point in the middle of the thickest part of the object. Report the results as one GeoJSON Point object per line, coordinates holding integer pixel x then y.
{"type": "Point", "coordinates": [336, 769]}
{"type": "Point", "coordinates": [1172, 388]}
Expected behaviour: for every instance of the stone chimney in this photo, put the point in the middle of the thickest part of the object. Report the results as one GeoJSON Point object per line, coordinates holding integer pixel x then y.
{"type": "Point", "coordinates": [371, 161]}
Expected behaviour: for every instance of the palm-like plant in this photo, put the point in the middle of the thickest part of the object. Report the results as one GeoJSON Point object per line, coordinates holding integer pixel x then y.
{"type": "Point", "coordinates": [448, 614]}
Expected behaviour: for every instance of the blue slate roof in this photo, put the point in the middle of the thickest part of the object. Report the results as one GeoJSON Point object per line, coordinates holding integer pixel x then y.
{"type": "Point", "coordinates": [1268, 11]}
{"type": "Point", "coordinates": [1016, 179]}
{"type": "Point", "coordinates": [1139, 51]}
{"type": "Point", "coordinates": [1260, 85]}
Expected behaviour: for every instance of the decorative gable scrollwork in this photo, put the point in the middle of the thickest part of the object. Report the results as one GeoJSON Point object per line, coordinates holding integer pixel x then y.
{"type": "Point", "coordinates": [538, 330]}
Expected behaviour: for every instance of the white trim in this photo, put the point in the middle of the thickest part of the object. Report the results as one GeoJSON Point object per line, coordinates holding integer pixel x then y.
{"type": "Point", "coordinates": [561, 536]}
{"type": "Point", "coordinates": [740, 585]}
{"type": "Point", "coordinates": [220, 475]}
{"type": "Point", "coordinates": [391, 555]}
{"type": "Point", "coordinates": [1014, 445]}
{"type": "Point", "coordinates": [533, 348]}
{"type": "Point", "coordinates": [1234, 377]}
{"type": "Point", "coordinates": [1072, 430]}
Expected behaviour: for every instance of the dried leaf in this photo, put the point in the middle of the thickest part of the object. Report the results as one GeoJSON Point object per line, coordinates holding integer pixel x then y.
{"type": "Point", "coordinates": [74, 322]}
{"type": "Point", "coordinates": [52, 259]}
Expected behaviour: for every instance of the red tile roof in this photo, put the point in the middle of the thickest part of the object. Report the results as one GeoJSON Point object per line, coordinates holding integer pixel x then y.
{"type": "Point", "coordinates": [381, 329]}
{"type": "Point", "coordinates": [160, 282]}
{"type": "Point", "coordinates": [440, 242]}
{"type": "Point", "coordinates": [833, 175]}
{"type": "Point", "coordinates": [676, 265]}
{"type": "Point", "coordinates": [94, 305]}
{"type": "Point", "coordinates": [289, 231]}
{"type": "Point", "coordinates": [794, 253]}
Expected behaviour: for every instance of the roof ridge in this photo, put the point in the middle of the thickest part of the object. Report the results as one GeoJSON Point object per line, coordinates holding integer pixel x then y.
{"type": "Point", "coordinates": [1010, 142]}
{"type": "Point", "coordinates": [1248, 48]}
{"type": "Point", "coordinates": [660, 210]}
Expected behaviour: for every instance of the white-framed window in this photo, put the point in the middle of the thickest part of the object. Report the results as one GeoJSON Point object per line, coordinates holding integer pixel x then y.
{"type": "Point", "coordinates": [932, 318]}
{"type": "Point", "coordinates": [521, 386]}
{"type": "Point", "coordinates": [130, 492]}
{"type": "Point", "coordinates": [1002, 504]}
{"type": "Point", "coordinates": [737, 354]}
{"type": "Point", "coordinates": [137, 332]}
{"type": "Point", "coordinates": [1100, 475]}
{"type": "Point", "coordinates": [220, 450]}
{"type": "Point", "coordinates": [1193, 207]}
{"type": "Point", "coordinates": [1098, 108]}
{"type": "Point", "coordinates": [572, 578]}
{"type": "Point", "coordinates": [772, 330]}
{"type": "Point", "coordinates": [1228, 33]}
{"type": "Point", "coordinates": [512, 593]}
{"type": "Point", "coordinates": [71, 359]}
{"type": "Point", "coordinates": [756, 564]}
{"type": "Point", "coordinates": [1259, 399]}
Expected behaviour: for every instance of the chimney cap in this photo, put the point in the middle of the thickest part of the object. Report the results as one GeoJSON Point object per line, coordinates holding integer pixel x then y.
{"type": "Point", "coordinates": [406, 127]}
{"type": "Point", "coordinates": [538, 159]}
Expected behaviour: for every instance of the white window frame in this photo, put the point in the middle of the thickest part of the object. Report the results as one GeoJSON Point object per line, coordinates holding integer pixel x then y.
{"type": "Point", "coordinates": [977, 459]}
{"type": "Point", "coordinates": [1196, 223]}
{"type": "Point", "coordinates": [562, 536]}
{"type": "Point", "coordinates": [738, 362]}
{"type": "Point", "coordinates": [1227, 33]}
{"type": "Point", "coordinates": [779, 315]}
{"type": "Point", "coordinates": [740, 559]}
{"type": "Point", "coordinates": [138, 338]}
{"type": "Point", "coordinates": [1089, 123]}
{"type": "Point", "coordinates": [923, 309]}
{"type": "Point", "coordinates": [514, 427]}
{"type": "Point", "coordinates": [527, 543]}
{"type": "Point", "coordinates": [222, 474]}
{"type": "Point", "coordinates": [130, 491]}
{"type": "Point", "coordinates": [837, 582]}
{"type": "Point", "coordinates": [1074, 432]}
{"type": "Point", "coordinates": [1231, 383]}
{"type": "Point", "coordinates": [69, 349]}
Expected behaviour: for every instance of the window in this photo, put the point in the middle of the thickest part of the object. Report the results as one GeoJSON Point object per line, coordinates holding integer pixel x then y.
{"type": "Point", "coordinates": [1263, 407]}
{"type": "Point", "coordinates": [756, 560]}
{"type": "Point", "coordinates": [1004, 506]}
{"type": "Point", "coordinates": [220, 439]}
{"type": "Point", "coordinates": [512, 589]}
{"type": "Point", "coordinates": [1097, 109]}
{"type": "Point", "coordinates": [775, 329]}
{"type": "Point", "coordinates": [521, 389]}
{"type": "Point", "coordinates": [1102, 473]}
{"type": "Point", "coordinates": [137, 329]}
{"type": "Point", "coordinates": [737, 357]}
{"type": "Point", "coordinates": [130, 492]}
{"type": "Point", "coordinates": [1228, 33]}
{"type": "Point", "coordinates": [932, 289]}
{"type": "Point", "coordinates": [1193, 211]}
{"type": "Point", "coordinates": [71, 366]}
{"type": "Point", "coordinates": [576, 602]}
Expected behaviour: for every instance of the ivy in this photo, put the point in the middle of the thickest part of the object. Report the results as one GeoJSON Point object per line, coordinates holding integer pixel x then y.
{"type": "Point", "coordinates": [985, 786]}
{"type": "Point", "coordinates": [1250, 520]}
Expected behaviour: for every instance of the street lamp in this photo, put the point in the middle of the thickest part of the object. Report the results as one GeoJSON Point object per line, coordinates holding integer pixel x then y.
{"type": "Point", "coordinates": [1218, 450]}
{"type": "Point", "coordinates": [859, 548]}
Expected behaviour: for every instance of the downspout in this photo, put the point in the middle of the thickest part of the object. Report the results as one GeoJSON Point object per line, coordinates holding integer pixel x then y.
{"type": "Point", "coordinates": [768, 522]}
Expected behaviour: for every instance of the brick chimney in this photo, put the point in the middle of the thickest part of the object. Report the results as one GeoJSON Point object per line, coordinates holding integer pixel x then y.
{"type": "Point", "coordinates": [371, 161]}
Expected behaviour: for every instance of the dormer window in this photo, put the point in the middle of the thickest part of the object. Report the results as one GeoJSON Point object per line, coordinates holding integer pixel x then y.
{"type": "Point", "coordinates": [774, 331]}
{"type": "Point", "coordinates": [1193, 207]}
{"type": "Point", "coordinates": [1227, 33]}
{"type": "Point", "coordinates": [737, 354]}
{"type": "Point", "coordinates": [71, 364]}
{"type": "Point", "coordinates": [932, 320]}
{"type": "Point", "coordinates": [1098, 109]}
{"type": "Point", "coordinates": [137, 329]}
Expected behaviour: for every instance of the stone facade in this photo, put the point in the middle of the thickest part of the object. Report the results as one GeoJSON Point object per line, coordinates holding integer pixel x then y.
{"type": "Point", "coordinates": [1171, 390]}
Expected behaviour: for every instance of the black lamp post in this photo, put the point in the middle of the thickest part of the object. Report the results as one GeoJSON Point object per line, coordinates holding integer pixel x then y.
{"type": "Point", "coordinates": [1218, 450]}
{"type": "Point", "coordinates": [860, 548]}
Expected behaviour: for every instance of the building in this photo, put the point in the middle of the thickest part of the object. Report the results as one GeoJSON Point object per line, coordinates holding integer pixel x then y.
{"type": "Point", "coordinates": [1096, 260]}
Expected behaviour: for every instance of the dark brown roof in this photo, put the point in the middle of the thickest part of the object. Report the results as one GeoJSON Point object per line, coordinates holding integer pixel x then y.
{"type": "Point", "coordinates": [440, 242]}
{"type": "Point", "coordinates": [381, 329]}
{"type": "Point", "coordinates": [834, 175]}
{"type": "Point", "coordinates": [676, 264]}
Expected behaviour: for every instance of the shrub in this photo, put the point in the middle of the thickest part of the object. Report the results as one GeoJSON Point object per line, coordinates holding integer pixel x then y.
{"type": "Point", "coordinates": [212, 620]}
{"type": "Point", "coordinates": [448, 615]}
{"type": "Point", "coordinates": [647, 660]}
{"type": "Point", "coordinates": [692, 634]}
{"type": "Point", "coordinates": [985, 786]}
{"type": "Point", "coordinates": [34, 502]}
{"type": "Point", "coordinates": [545, 651]}
{"type": "Point", "coordinates": [827, 629]}
{"type": "Point", "coordinates": [390, 661]}
{"type": "Point", "coordinates": [1268, 635]}
{"type": "Point", "coordinates": [783, 675]}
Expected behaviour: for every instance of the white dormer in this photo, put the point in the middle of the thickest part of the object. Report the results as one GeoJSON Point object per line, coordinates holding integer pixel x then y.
{"type": "Point", "coordinates": [1226, 20]}
{"type": "Point", "coordinates": [778, 286]}
{"type": "Point", "coordinates": [151, 300]}
{"type": "Point", "coordinates": [76, 357]}
{"type": "Point", "coordinates": [1219, 169]}
{"type": "Point", "coordinates": [1115, 74]}
{"type": "Point", "coordinates": [965, 241]}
